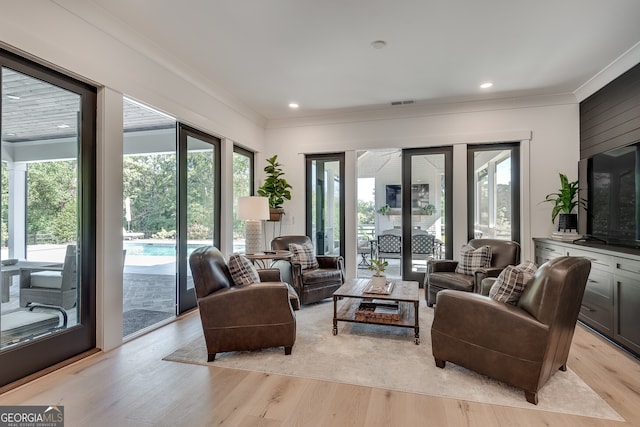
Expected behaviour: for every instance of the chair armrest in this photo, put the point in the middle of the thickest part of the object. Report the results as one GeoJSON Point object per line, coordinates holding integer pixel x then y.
{"type": "Point", "coordinates": [479, 319]}
{"type": "Point", "coordinates": [274, 275]}
{"type": "Point", "coordinates": [270, 275]}
{"type": "Point", "coordinates": [442, 265]}
{"type": "Point", "coordinates": [483, 273]}
{"type": "Point", "coordinates": [254, 304]}
{"type": "Point", "coordinates": [330, 261]}
{"type": "Point", "coordinates": [486, 284]}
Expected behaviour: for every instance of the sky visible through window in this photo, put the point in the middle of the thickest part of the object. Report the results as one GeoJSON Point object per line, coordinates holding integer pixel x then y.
{"type": "Point", "coordinates": [366, 189]}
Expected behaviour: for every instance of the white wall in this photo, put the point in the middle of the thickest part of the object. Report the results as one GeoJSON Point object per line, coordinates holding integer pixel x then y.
{"type": "Point", "coordinates": [49, 34]}
{"type": "Point", "coordinates": [548, 128]}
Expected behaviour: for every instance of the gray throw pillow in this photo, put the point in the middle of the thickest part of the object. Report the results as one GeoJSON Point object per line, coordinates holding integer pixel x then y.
{"type": "Point", "coordinates": [472, 259]}
{"type": "Point", "coordinates": [511, 282]}
{"type": "Point", "coordinates": [242, 270]}
{"type": "Point", "coordinates": [304, 255]}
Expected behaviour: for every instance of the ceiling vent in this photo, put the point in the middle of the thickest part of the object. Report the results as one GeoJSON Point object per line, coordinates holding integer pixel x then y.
{"type": "Point", "coordinates": [409, 101]}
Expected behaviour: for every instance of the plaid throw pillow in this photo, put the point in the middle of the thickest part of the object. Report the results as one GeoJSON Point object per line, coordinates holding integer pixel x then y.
{"type": "Point", "coordinates": [304, 255]}
{"type": "Point", "coordinates": [472, 259]}
{"type": "Point", "coordinates": [511, 282]}
{"type": "Point", "coordinates": [242, 271]}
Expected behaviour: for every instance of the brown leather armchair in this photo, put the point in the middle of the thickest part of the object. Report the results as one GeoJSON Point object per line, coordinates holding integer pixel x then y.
{"type": "Point", "coordinates": [249, 317]}
{"type": "Point", "coordinates": [311, 285]}
{"type": "Point", "coordinates": [441, 274]}
{"type": "Point", "coordinates": [522, 345]}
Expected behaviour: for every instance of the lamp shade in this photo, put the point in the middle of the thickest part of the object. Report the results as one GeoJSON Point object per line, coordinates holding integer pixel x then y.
{"type": "Point", "coordinates": [253, 208]}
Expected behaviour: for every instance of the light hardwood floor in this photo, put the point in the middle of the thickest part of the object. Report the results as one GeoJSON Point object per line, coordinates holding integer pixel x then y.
{"type": "Point", "coordinates": [133, 386]}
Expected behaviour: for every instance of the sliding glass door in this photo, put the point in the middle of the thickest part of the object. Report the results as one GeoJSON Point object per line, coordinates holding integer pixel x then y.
{"type": "Point", "coordinates": [426, 208]}
{"type": "Point", "coordinates": [48, 218]}
{"type": "Point", "coordinates": [199, 204]}
{"type": "Point", "coordinates": [325, 202]}
{"type": "Point", "coordinates": [149, 225]}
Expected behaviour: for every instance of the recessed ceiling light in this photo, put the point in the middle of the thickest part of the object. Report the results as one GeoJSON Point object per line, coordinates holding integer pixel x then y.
{"type": "Point", "coordinates": [486, 85]}
{"type": "Point", "coordinates": [63, 126]}
{"type": "Point", "coordinates": [293, 105]}
{"type": "Point", "coordinates": [378, 44]}
{"type": "Point", "coordinates": [14, 97]}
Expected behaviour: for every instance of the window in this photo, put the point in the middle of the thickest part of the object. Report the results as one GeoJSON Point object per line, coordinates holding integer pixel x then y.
{"type": "Point", "coordinates": [242, 186]}
{"type": "Point", "coordinates": [494, 192]}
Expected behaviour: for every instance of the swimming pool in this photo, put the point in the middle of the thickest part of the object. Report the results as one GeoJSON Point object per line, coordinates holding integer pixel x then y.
{"type": "Point", "coordinates": [156, 249]}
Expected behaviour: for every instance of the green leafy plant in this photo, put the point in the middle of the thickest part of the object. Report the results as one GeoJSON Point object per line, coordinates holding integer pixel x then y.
{"type": "Point", "coordinates": [384, 210]}
{"type": "Point", "coordinates": [275, 186]}
{"type": "Point", "coordinates": [566, 199]}
{"type": "Point", "coordinates": [378, 266]}
{"type": "Point", "coordinates": [429, 209]}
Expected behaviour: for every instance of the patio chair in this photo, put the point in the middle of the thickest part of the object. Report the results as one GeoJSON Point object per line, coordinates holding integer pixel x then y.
{"type": "Point", "coordinates": [50, 285]}
{"type": "Point", "coordinates": [389, 246]}
{"type": "Point", "coordinates": [423, 246]}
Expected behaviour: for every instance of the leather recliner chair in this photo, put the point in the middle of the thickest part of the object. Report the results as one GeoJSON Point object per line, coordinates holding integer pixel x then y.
{"type": "Point", "coordinates": [522, 345]}
{"type": "Point", "coordinates": [311, 285]}
{"type": "Point", "coordinates": [441, 274]}
{"type": "Point", "coordinates": [248, 317]}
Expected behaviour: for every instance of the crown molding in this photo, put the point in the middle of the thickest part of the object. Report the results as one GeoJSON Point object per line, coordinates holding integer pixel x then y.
{"type": "Point", "coordinates": [619, 66]}
{"type": "Point", "coordinates": [419, 109]}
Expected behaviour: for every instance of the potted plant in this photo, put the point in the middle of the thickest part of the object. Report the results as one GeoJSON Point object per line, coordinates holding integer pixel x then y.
{"type": "Point", "coordinates": [275, 188]}
{"type": "Point", "coordinates": [384, 210]}
{"type": "Point", "coordinates": [565, 201]}
{"type": "Point", "coordinates": [429, 209]}
{"type": "Point", "coordinates": [378, 280]}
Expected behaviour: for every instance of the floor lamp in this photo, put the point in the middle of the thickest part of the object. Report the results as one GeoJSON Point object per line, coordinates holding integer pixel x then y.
{"type": "Point", "coordinates": [253, 209]}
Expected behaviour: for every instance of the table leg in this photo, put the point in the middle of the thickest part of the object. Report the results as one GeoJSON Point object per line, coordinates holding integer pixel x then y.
{"type": "Point", "coordinates": [416, 305]}
{"type": "Point", "coordinates": [6, 284]}
{"type": "Point", "coordinates": [335, 316]}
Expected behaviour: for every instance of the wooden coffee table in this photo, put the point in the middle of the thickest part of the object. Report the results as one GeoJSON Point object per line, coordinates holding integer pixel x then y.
{"type": "Point", "coordinates": [352, 295]}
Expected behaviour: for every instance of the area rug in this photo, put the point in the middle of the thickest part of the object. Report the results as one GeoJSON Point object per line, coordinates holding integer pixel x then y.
{"type": "Point", "coordinates": [386, 357]}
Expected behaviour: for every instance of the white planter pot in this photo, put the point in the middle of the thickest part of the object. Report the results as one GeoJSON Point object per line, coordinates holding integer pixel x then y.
{"type": "Point", "coordinates": [379, 281]}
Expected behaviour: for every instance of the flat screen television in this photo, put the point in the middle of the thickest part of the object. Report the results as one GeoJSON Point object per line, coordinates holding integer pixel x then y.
{"type": "Point", "coordinates": [613, 179]}
{"type": "Point", "coordinates": [394, 195]}
{"type": "Point", "coordinates": [419, 195]}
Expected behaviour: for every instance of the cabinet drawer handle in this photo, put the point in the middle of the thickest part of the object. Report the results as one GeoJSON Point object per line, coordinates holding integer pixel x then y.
{"type": "Point", "coordinates": [589, 309]}
{"type": "Point", "coordinates": [627, 268]}
{"type": "Point", "coordinates": [592, 281]}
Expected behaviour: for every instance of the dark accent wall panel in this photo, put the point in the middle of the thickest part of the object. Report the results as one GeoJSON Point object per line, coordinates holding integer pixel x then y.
{"type": "Point", "coordinates": [610, 117]}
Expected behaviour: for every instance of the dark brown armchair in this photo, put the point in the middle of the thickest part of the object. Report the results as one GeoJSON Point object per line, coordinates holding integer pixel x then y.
{"type": "Point", "coordinates": [441, 274]}
{"type": "Point", "coordinates": [522, 345]}
{"type": "Point", "coordinates": [249, 317]}
{"type": "Point", "coordinates": [312, 285]}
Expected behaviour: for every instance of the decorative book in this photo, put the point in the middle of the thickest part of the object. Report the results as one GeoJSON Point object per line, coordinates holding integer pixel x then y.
{"type": "Point", "coordinates": [382, 290]}
{"type": "Point", "coordinates": [384, 311]}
